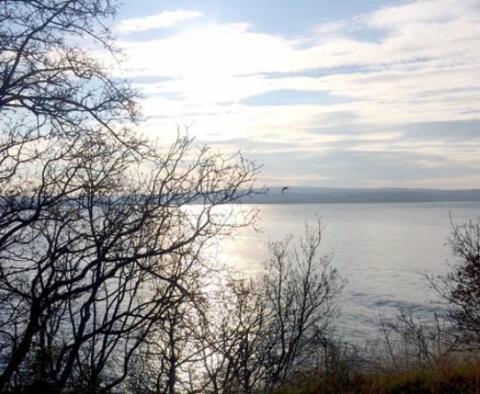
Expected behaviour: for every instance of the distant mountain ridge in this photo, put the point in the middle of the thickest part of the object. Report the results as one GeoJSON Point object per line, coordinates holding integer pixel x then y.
{"type": "Point", "coordinates": [313, 195]}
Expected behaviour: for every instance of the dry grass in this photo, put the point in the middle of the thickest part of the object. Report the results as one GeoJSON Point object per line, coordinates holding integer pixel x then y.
{"type": "Point", "coordinates": [447, 376]}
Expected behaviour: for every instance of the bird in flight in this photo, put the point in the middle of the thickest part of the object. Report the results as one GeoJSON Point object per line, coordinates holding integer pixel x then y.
{"type": "Point", "coordinates": [284, 189]}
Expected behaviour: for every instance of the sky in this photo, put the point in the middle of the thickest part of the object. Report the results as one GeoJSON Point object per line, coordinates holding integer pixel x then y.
{"type": "Point", "coordinates": [342, 93]}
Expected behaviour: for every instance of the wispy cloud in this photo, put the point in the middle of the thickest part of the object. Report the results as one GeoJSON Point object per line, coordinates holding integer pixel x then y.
{"type": "Point", "coordinates": [161, 20]}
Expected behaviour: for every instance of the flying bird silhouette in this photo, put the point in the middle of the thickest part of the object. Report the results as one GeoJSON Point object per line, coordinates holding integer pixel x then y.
{"type": "Point", "coordinates": [284, 189]}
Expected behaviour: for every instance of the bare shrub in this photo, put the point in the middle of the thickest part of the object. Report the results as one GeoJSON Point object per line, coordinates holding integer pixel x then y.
{"type": "Point", "coordinates": [461, 287]}
{"type": "Point", "coordinates": [262, 332]}
{"type": "Point", "coordinates": [409, 341]}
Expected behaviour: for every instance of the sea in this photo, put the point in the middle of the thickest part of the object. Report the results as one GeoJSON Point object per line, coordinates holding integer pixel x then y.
{"type": "Point", "coordinates": [384, 251]}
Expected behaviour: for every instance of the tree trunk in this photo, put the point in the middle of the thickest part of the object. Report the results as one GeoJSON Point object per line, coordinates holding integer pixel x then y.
{"type": "Point", "coordinates": [19, 353]}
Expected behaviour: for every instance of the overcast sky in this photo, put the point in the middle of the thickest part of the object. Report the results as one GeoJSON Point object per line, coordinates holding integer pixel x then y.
{"type": "Point", "coordinates": [320, 92]}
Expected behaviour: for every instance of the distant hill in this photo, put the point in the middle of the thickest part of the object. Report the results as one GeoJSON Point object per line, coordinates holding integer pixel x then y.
{"type": "Point", "coordinates": [312, 195]}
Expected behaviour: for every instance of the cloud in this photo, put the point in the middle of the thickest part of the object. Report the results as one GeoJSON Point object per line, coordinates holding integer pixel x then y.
{"type": "Point", "coordinates": [161, 20]}
{"type": "Point", "coordinates": [420, 12]}
{"type": "Point", "coordinates": [293, 97]}
{"type": "Point", "coordinates": [412, 87]}
{"type": "Point", "coordinates": [359, 168]}
{"type": "Point", "coordinates": [452, 131]}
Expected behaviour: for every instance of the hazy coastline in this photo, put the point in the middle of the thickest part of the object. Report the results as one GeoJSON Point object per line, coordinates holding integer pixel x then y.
{"type": "Point", "coordinates": [328, 195]}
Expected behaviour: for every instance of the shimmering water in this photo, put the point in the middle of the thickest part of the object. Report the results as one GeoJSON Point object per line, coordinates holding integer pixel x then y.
{"type": "Point", "coordinates": [382, 250]}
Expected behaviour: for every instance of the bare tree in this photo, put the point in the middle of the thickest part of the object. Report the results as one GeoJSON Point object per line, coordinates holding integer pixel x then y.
{"type": "Point", "coordinates": [98, 237]}
{"type": "Point", "coordinates": [230, 338]}
{"type": "Point", "coordinates": [247, 335]}
{"type": "Point", "coordinates": [302, 289]}
{"type": "Point", "coordinates": [88, 259]}
{"type": "Point", "coordinates": [257, 334]}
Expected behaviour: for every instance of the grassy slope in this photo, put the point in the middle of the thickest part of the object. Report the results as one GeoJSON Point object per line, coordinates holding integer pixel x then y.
{"type": "Point", "coordinates": [444, 377]}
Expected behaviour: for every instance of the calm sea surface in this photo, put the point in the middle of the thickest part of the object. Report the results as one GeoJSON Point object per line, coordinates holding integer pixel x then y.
{"type": "Point", "coordinates": [382, 250]}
